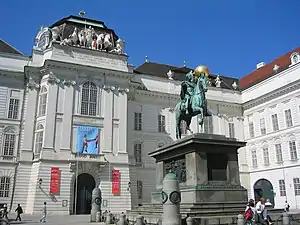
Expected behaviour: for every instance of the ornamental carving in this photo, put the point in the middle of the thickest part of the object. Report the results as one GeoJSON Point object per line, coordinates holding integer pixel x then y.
{"type": "Point", "coordinates": [177, 167]}
{"type": "Point", "coordinates": [32, 84]}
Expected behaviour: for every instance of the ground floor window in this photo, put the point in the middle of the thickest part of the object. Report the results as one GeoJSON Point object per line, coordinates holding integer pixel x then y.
{"type": "Point", "coordinates": [4, 187]}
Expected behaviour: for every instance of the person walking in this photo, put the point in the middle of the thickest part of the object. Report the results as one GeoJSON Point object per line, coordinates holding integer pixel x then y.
{"type": "Point", "coordinates": [19, 211]}
{"type": "Point", "coordinates": [44, 213]}
{"type": "Point", "coordinates": [287, 206]}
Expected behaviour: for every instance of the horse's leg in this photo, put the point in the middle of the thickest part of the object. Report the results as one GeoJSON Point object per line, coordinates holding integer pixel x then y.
{"type": "Point", "coordinates": [201, 119]}
{"type": "Point", "coordinates": [178, 120]}
{"type": "Point", "coordinates": [188, 123]}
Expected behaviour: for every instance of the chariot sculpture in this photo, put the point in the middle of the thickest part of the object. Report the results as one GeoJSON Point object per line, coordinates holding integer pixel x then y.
{"type": "Point", "coordinates": [193, 100]}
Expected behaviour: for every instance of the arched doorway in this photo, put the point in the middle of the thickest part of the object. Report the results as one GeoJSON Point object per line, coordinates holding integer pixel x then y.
{"type": "Point", "coordinates": [264, 188]}
{"type": "Point", "coordinates": [83, 198]}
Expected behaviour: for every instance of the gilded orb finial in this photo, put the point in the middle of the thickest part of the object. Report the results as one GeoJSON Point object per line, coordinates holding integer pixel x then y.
{"type": "Point", "coordinates": [201, 69]}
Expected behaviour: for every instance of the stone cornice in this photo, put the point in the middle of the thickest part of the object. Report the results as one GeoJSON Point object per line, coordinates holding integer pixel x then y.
{"type": "Point", "coordinates": [12, 74]}
{"type": "Point", "coordinates": [272, 95]}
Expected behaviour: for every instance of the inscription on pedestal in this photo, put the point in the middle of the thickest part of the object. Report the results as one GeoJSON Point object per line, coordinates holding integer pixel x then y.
{"type": "Point", "coordinates": [178, 167]}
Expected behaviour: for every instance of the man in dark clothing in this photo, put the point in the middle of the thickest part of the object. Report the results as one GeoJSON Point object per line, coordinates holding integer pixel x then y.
{"type": "Point", "coordinates": [19, 211]}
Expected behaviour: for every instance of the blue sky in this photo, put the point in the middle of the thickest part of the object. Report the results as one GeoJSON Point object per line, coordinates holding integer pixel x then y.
{"type": "Point", "coordinates": [229, 36]}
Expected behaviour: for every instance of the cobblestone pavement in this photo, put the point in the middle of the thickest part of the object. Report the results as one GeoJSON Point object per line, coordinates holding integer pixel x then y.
{"type": "Point", "coordinates": [53, 220]}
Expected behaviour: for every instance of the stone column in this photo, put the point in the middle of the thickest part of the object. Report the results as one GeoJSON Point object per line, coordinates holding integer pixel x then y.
{"type": "Point", "coordinates": [233, 174]}
{"type": "Point", "coordinates": [160, 173]}
{"type": "Point", "coordinates": [108, 129]}
{"type": "Point", "coordinates": [196, 169]}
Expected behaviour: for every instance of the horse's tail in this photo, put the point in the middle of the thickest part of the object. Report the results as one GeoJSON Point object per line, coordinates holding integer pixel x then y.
{"type": "Point", "coordinates": [177, 111]}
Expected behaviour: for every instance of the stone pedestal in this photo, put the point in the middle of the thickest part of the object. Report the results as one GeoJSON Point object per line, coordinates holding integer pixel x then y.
{"type": "Point", "coordinates": [206, 166]}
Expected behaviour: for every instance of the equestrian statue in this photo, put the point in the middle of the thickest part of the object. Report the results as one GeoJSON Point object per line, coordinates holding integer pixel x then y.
{"type": "Point", "coordinates": [193, 101]}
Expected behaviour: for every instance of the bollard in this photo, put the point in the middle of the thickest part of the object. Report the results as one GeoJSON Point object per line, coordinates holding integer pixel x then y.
{"type": "Point", "coordinates": [240, 220]}
{"type": "Point", "coordinates": [96, 203]}
{"type": "Point", "coordinates": [171, 200]}
{"type": "Point", "coordinates": [285, 219]}
{"type": "Point", "coordinates": [139, 220]}
{"type": "Point", "coordinates": [122, 220]}
{"type": "Point", "coordinates": [98, 217]}
{"type": "Point", "coordinates": [189, 221]}
{"type": "Point", "coordinates": [108, 218]}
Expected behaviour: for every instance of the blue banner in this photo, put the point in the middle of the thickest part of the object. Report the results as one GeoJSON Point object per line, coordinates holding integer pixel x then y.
{"type": "Point", "coordinates": [87, 140]}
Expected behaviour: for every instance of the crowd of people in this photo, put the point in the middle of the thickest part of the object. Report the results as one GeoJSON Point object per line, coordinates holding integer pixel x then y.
{"type": "Point", "coordinates": [258, 213]}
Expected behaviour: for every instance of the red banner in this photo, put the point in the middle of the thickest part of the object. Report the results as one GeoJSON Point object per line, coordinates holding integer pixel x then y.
{"type": "Point", "coordinates": [116, 187]}
{"type": "Point", "coordinates": [54, 180]}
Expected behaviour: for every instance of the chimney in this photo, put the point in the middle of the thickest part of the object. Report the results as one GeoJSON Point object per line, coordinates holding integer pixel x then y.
{"type": "Point", "coordinates": [260, 65]}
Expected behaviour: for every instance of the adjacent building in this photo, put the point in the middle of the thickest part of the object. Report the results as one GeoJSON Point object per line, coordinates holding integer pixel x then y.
{"type": "Point", "coordinates": [75, 115]}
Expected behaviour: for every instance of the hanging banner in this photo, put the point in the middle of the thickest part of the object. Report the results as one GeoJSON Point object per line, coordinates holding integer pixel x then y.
{"type": "Point", "coordinates": [116, 189]}
{"type": "Point", "coordinates": [54, 180]}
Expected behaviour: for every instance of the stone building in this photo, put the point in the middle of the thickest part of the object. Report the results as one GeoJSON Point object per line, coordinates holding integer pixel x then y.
{"type": "Point", "coordinates": [78, 83]}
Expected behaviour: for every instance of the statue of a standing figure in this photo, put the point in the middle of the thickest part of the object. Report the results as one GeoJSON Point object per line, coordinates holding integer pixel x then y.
{"type": "Point", "coordinates": [193, 101]}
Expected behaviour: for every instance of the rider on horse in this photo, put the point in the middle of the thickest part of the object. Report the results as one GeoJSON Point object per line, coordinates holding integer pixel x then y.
{"type": "Point", "coordinates": [187, 91]}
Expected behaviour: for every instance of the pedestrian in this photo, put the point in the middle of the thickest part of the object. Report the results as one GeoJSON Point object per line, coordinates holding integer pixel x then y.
{"type": "Point", "coordinates": [19, 211]}
{"type": "Point", "coordinates": [44, 213]}
{"type": "Point", "coordinates": [287, 206]}
{"type": "Point", "coordinates": [5, 212]}
{"type": "Point", "coordinates": [249, 213]}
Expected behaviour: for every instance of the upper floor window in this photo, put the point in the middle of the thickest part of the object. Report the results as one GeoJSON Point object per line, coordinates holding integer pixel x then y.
{"type": "Point", "coordinates": [296, 186]}
{"type": "Point", "coordinates": [39, 137]}
{"type": "Point", "coordinates": [282, 188]}
{"type": "Point", "coordinates": [43, 101]}
{"type": "Point", "coordinates": [208, 125]}
{"type": "Point", "coordinates": [183, 127]}
{"type": "Point", "coordinates": [14, 102]}
{"type": "Point", "coordinates": [161, 123]}
{"type": "Point", "coordinates": [137, 121]}
{"type": "Point", "coordinates": [266, 156]}
{"type": "Point", "coordinates": [251, 130]}
{"type": "Point", "coordinates": [254, 158]}
{"type": "Point", "coordinates": [275, 122]}
{"type": "Point", "coordinates": [89, 99]}
{"type": "Point", "coordinates": [138, 152]}
{"type": "Point", "coordinates": [231, 130]}
{"type": "Point", "coordinates": [4, 187]}
{"type": "Point", "coordinates": [9, 141]}
{"type": "Point", "coordinates": [278, 153]}
{"type": "Point", "coordinates": [288, 118]}
{"type": "Point", "coordinates": [293, 150]}
{"type": "Point", "coordinates": [139, 188]}
{"type": "Point", "coordinates": [263, 129]}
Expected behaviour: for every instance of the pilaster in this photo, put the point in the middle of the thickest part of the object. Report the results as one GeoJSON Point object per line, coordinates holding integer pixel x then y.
{"type": "Point", "coordinates": [68, 104]}
{"type": "Point", "coordinates": [196, 169]}
{"type": "Point", "coordinates": [108, 100]}
{"type": "Point", "coordinates": [122, 122]}
{"type": "Point", "coordinates": [160, 172]}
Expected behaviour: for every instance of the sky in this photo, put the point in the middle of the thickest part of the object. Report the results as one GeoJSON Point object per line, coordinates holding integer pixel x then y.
{"type": "Point", "coordinates": [229, 36]}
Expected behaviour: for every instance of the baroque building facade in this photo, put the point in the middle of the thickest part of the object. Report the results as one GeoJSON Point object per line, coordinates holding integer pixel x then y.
{"type": "Point", "coordinates": [78, 77]}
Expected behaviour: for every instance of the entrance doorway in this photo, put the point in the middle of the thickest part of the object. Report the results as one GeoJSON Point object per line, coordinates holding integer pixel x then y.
{"type": "Point", "coordinates": [83, 198]}
{"type": "Point", "coordinates": [264, 188]}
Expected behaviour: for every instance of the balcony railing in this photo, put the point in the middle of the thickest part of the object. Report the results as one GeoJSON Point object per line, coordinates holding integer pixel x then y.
{"type": "Point", "coordinates": [8, 158]}
{"type": "Point", "coordinates": [99, 158]}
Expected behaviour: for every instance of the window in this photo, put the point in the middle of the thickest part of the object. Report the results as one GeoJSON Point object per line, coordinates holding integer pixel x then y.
{"type": "Point", "coordinates": [161, 123]}
{"type": "Point", "coordinates": [266, 156]}
{"type": "Point", "coordinates": [275, 122]}
{"type": "Point", "coordinates": [282, 188]}
{"type": "Point", "coordinates": [138, 152]}
{"type": "Point", "coordinates": [39, 137]}
{"type": "Point", "coordinates": [288, 118]}
{"type": "Point", "coordinates": [183, 127]}
{"type": "Point", "coordinates": [9, 141]}
{"type": "Point", "coordinates": [251, 130]}
{"type": "Point", "coordinates": [137, 121]}
{"type": "Point", "coordinates": [43, 101]}
{"type": "Point", "coordinates": [208, 125]}
{"type": "Point", "coordinates": [139, 188]}
{"type": "Point", "coordinates": [231, 130]}
{"type": "Point", "coordinates": [4, 187]}
{"type": "Point", "coordinates": [278, 153]}
{"type": "Point", "coordinates": [263, 129]}
{"type": "Point", "coordinates": [293, 150]}
{"type": "Point", "coordinates": [13, 108]}
{"type": "Point", "coordinates": [89, 99]}
{"type": "Point", "coordinates": [296, 186]}
{"type": "Point", "coordinates": [254, 158]}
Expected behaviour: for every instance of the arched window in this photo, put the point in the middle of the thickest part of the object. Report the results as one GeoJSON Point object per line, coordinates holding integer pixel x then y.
{"type": "Point", "coordinates": [4, 187]}
{"type": "Point", "coordinates": [39, 137]}
{"type": "Point", "coordinates": [89, 99]}
{"type": "Point", "coordinates": [43, 101]}
{"type": "Point", "coordinates": [9, 141]}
